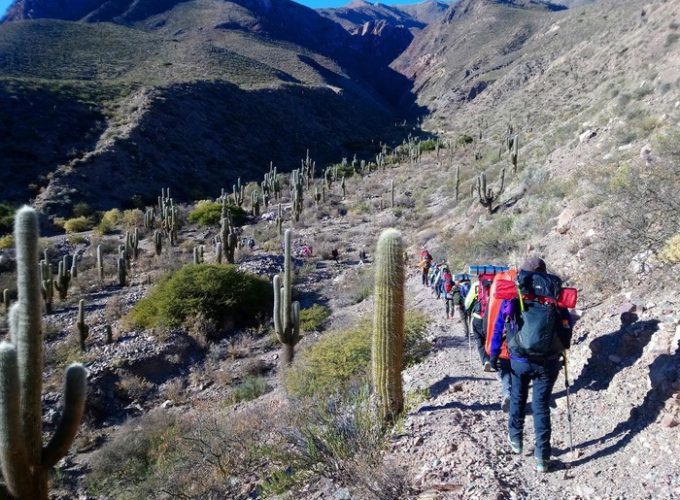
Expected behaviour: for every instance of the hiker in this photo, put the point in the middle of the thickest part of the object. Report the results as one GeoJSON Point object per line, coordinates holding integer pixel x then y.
{"type": "Point", "coordinates": [473, 308]}
{"type": "Point", "coordinates": [541, 333]}
{"type": "Point", "coordinates": [437, 280]}
{"type": "Point", "coordinates": [425, 264]}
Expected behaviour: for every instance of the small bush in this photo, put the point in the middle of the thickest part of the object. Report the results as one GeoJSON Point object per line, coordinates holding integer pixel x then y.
{"type": "Point", "coordinates": [209, 213]}
{"type": "Point", "coordinates": [6, 242]}
{"type": "Point", "coordinates": [671, 250]}
{"type": "Point", "coordinates": [251, 388]}
{"type": "Point", "coordinates": [313, 317]}
{"type": "Point", "coordinates": [133, 218]}
{"type": "Point", "coordinates": [82, 209]}
{"type": "Point", "coordinates": [428, 145]}
{"type": "Point", "coordinates": [220, 293]}
{"type": "Point", "coordinates": [336, 360]}
{"type": "Point", "coordinates": [109, 221]}
{"type": "Point", "coordinates": [78, 224]}
{"type": "Point", "coordinates": [6, 218]}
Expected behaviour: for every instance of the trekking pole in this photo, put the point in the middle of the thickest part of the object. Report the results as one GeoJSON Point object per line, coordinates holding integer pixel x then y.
{"type": "Point", "coordinates": [566, 385]}
{"type": "Point", "coordinates": [469, 343]}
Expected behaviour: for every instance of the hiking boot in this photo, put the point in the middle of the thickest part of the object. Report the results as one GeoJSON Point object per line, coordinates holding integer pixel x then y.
{"type": "Point", "coordinates": [505, 404]}
{"type": "Point", "coordinates": [487, 366]}
{"type": "Point", "coordinates": [542, 465]}
{"type": "Point", "coordinates": [515, 446]}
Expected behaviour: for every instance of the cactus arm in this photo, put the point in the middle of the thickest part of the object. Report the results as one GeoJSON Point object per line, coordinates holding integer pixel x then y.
{"type": "Point", "coordinates": [75, 391]}
{"type": "Point", "coordinates": [29, 338]}
{"type": "Point", "coordinates": [13, 454]}
{"type": "Point", "coordinates": [295, 318]}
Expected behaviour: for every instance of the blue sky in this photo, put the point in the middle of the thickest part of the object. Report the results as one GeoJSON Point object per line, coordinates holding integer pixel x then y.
{"type": "Point", "coordinates": [4, 4]}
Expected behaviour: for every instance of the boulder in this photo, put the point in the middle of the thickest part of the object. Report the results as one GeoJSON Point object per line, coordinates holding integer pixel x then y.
{"type": "Point", "coordinates": [587, 135]}
{"type": "Point", "coordinates": [564, 220]}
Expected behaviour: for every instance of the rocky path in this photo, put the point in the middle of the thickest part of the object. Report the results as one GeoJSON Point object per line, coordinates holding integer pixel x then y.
{"type": "Point", "coordinates": [454, 443]}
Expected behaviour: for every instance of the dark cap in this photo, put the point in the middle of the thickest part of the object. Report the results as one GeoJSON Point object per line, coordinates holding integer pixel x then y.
{"type": "Point", "coordinates": [534, 264]}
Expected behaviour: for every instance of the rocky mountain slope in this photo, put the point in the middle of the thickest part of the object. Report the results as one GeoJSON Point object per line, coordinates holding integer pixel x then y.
{"type": "Point", "coordinates": [160, 95]}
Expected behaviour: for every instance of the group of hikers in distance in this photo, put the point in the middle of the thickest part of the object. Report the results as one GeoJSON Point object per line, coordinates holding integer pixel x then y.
{"type": "Point", "coordinates": [520, 322]}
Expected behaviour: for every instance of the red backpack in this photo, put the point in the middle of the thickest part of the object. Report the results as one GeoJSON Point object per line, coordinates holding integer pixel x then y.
{"type": "Point", "coordinates": [448, 282]}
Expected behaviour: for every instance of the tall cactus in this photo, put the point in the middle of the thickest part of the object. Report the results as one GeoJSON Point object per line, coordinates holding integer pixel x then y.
{"type": "Point", "coordinates": [6, 300]}
{"type": "Point", "coordinates": [63, 278]}
{"type": "Point", "coordinates": [158, 242]}
{"type": "Point", "coordinates": [487, 196]}
{"type": "Point", "coordinates": [286, 312]}
{"type": "Point", "coordinates": [25, 462]}
{"type": "Point", "coordinates": [514, 153]}
{"type": "Point", "coordinates": [100, 265]}
{"type": "Point", "coordinates": [388, 322]}
{"type": "Point", "coordinates": [47, 284]}
{"type": "Point", "coordinates": [122, 271]}
{"type": "Point", "coordinates": [457, 181]}
{"type": "Point", "coordinates": [83, 329]}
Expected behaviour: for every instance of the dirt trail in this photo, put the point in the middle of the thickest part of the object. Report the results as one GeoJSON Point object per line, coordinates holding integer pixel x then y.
{"type": "Point", "coordinates": [454, 443]}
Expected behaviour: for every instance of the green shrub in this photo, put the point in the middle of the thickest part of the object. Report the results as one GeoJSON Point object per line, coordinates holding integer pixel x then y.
{"type": "Point", "coordinates": [133, 218]}
{"type": "Point", "coordinates": [78, 224]}
{"type": "Point", "coordinates": [82, 209]}
{"type": "Point", "coordinates": [428, 145]}
{"type": "Point", "coordinates": [313, 317]}
{"type": "Point", "coordinates": [219, 293]}
{"type": "Point", "coordinates": [209, 213]}
{"type": "Point", "coordinates": [671, 250]}
{"type": "Point", "coordinates": [340, 358]}
{"type": "Point", "coordinates": [109, 221]}
{"type": "Point", "coordinates": [251, 388]}
{"type": "Point", "coordinates": [6, 218]}
{"type": "Point", "coordinates": [6, 242]}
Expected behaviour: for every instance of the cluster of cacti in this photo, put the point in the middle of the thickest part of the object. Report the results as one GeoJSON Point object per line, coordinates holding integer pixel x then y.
{"type": "Point", "coordinates": [83, 329]}
{"type": "Point", "coordinates": [168, 215]}
{"type": "Point", "coordinates": [308, 169]}
{"type": "Point", "coordinates": [63, 278]}
{"type": "Point", "coordinates": [286, 312]}
{"type": "Point", "coordinates": [237, 193]}
{"type": "Point", "coordinates": [387, 348]}
{"type": "Point", "coordinates": [149, 218]}
{"type": "Point", "coordinates": [380, 160]}
{"type": "Point", "coordinates": [47, 283]}
{"type": "Point", "coordinates": [297, 193]}
{"type": "Point", "coordinates": [271, 188]}
{"type": "Point", "coordinates": [487, 195]}
{"type": "Point", "coordinates": [25, 462]}
{"type": "Point", "coordinates": [198, 254]}
{"type": "Point", "coordinates": [132, 244]}
{"type": "Point", "coordinates": [229, 239]}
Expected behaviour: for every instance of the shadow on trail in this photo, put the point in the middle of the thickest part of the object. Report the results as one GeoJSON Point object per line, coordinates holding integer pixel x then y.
{"type": "Point", "coordinates": [613, 352]}
{"type": "Point", "coordinates": [448, 341]}
{"type": "Point", "coordinates": [663, 373]}
{"type": "Point", "coordinates": [460, 406]}
{"type": "Point", "coordinates": [439, 388]}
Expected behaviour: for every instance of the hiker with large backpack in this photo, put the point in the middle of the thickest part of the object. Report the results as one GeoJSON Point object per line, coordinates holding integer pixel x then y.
{"type": "Point", "coordinates": [424, 265]}
{"type": "Point", "coordinates": [540, 332]}
{"type": "Point", "coordinates": [473, 308]}
{"type": "Point", "coordinates": [500, 321]}
{"type": "Point", "coordinates": [450, 291]}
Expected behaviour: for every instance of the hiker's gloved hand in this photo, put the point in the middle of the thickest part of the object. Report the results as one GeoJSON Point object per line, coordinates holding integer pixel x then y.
{"type": "Point", "coordinates": [494, 362]}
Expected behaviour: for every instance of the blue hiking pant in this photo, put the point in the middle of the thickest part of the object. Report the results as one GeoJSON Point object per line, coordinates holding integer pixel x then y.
{"type": "Point", "coordinates": [505, 376]}
{"type": "Point", "coordinates": [543, 374]}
